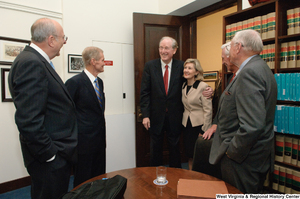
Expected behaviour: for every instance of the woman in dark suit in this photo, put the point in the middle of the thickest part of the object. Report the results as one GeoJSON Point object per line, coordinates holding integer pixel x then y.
{"type": "Point", "coordinates": [197, 115]}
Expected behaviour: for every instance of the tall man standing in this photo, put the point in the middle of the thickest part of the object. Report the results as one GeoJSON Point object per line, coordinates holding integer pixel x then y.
{"type": "Point", "coordinates": [244, 139]}
{"type": "Point", "coordinates": [161, 104]}
{"type": "Point", "coordinates": [45, 112]}
{"type": "Point", "coordinates": [86, 90]}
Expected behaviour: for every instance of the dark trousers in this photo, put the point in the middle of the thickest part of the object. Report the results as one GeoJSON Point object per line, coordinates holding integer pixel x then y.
{"type": "Point", "coordinates": [201, 158]}
{"type": "Point", "coordinates": [89, 166]}
{"type": "Point", "coordinates": [246, 178]}
{"type": "Point", "coordinates": [156, 146]}
{"type": "Point", "coordinates": [49, 180]}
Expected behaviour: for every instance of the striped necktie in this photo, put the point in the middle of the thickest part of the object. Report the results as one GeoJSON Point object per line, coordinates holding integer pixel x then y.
{"type": "Point", "coordinates": [98, 93]}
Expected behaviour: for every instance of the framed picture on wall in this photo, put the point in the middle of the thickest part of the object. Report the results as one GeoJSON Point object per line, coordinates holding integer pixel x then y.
{"type": "Point", "coordinates": [10, 48]}
{"type": "Point", "coordinates": [75, 63]}
{"type": "Point", "coordinates": [6, 97]}
{"type": "Point", "coordinates": [210, 76]}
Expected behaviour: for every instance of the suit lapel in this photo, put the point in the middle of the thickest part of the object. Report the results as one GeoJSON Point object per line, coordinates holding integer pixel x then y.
{"type": "Point", "coordinates": [159, 76]}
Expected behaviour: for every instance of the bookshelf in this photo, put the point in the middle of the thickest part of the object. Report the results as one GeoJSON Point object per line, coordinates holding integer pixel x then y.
{"type": "Point", "coordinates": [278, 23]}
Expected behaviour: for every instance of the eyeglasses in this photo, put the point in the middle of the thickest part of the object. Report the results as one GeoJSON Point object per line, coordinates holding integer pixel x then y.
{"type": "Point", "coordinates": [229, 45]}
{"type": "Point", "coordinates": [166, 48]}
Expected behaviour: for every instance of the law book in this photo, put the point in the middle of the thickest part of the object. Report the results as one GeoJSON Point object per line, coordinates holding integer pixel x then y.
{"type": "Point", "coordinates": [245, 24]}
{"type": "Point", "coordinates": [287, 149]}
{"type": "Point", "coordinates": [291, 120]}
{"type": "Point", "coordinates": [297, 87]}
{"type": "Point", "coordinates": [295, 146]}
{"type": "Point", "coordinates": [228, 32]}
{"type": "Point", "coordinates": [297, 20]}
{"type": "Point", "coordinates": [297, 121]}
{"type": "Point", "coordinates": [276, 120]}
{"type": "Point", "coordinates": [293, 87]}
{"type": "Point", "coordinates": [278, 81]}
{"type": "Point", "coordinates": [296, 182]}
{"type": "Point", "coordinates": [298, 162]}
{"type": "Point", "coordinates": [239, 26]}
{"type": "Point", "coordinates": [290, 21]}
{"type": "Point", "coordinates": [282, 176]}
{"type": "Point", "coordinates": [298, 53]}
{"type": "Point", "coordinates": [275, 177]}
{"type": "Point", "coordinates": [250, 23]}
{"type": "Point", "coordinates": [286, 120]}
{"type": "Point", "coordinates": [272, 59]}
{"type": "Point", "coordinates": [264, 54]}
{"type": "Point", "coordinates": [271, 25]}
{"type": "Point", "coordinates": [284, 55]}
{"type": "Point", "coordinates": [287, 86]}
{"type": "Point", "coordinates": [233, 30]}
{"type": "Point", "coordinates": [279, 148]}
{"type": "Point", "coordinates": [279, 116]}
{"type": "Point", "coordinates": [269, 54]}
{"type": "Point", "coordinates": [292, 54]}
{"type": "Point", "coordinates": [257, 24]}
{"type": "Point", "coordinates": [264, 27]}
{"type": "Point", "coordinates": [288, 181]}
{"type": "Point", "coordinates": [283, 87]}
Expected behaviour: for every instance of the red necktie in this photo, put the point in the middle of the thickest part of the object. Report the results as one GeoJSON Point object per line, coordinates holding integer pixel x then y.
{"type": "Point", "coordinates": [232, 77]}
{"type": "Point", "coordinates": [166, 77]}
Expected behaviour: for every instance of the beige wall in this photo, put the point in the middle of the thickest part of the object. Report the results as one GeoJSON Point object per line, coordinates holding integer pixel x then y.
{"type": "Point", "coordinates": [209, 40]}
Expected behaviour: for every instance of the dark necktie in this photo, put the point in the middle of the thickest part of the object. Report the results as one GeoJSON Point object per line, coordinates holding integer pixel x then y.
{"type": "Point", "coordinates": [98, 93]}
{"type": "Point", "coordinates": [232, 77]}
{"type": "Point", "coordinates": [166, 77]}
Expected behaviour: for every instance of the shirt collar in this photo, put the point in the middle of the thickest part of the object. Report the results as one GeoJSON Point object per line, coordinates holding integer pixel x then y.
{"type": "Point", "coordinates": [163, 65]}
{"type": "Point", "coordinates": [90, 76]}
{"type": "Point", "coordinates": [244, 63]}
{"type": "Point", "coordinates": [35, 47]}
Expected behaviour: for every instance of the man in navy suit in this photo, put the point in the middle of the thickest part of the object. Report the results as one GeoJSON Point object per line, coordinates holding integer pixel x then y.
{"type": "Point", "coordinates": [45, 112]}
{"type": "Point", "coordinates": [90, 116]}
{"type": "Point", "coordinates": [243, 143]}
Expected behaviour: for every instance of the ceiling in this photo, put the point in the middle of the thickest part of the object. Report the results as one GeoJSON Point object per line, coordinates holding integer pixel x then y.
{"type": "Point", "coordinates": [193, 7]}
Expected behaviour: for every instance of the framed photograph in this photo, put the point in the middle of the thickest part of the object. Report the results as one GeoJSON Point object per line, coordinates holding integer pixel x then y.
{"type": "Point", "coordinates": [6, 97]}
{"type": "Point", "coordinates": [10, 48]}
{"type": "Point", "coordinates": [75, 63]}
{"type": "Point", "coordinates": [210, 76]}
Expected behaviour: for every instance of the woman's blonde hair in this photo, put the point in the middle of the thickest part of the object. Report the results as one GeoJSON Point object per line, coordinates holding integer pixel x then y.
{"type": "Point", "coordinates": [197, 67]}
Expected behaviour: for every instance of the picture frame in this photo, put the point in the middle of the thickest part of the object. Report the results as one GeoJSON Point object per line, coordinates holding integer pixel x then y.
{"type": "Point", "coordinates": [75, 63]}
{"type": "Point", "coordinates": [6, 96]}
{"type": "Point", "coordinates": [210, 76]}
{"type": "Point", "coordinates": [10, 48]}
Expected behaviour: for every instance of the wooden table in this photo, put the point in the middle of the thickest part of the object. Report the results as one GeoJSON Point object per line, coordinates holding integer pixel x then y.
{"type": "Point", "coordinates": [140, 182]}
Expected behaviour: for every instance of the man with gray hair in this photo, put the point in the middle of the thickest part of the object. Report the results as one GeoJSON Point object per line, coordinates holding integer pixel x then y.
{"type": "Point", "coordinates": [45, 112]}
{"type": "Point", "coordinates": [244, 140]}
{"type": "Point", "coordinates": [86, 89]}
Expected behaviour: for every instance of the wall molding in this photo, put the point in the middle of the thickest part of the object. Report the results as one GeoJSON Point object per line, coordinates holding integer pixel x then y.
{"type": "Point", "coordinates": [32, 10]}
{"type": "Point", "coordinates": [15, 184]}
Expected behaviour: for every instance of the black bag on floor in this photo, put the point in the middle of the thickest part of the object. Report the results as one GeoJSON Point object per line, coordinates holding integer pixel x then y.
{"type": "Point", "coordinates": [111, 188]}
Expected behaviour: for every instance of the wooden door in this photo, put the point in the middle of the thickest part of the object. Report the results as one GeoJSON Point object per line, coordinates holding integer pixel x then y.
{"type": "Point", "coordinates": [148, 29]}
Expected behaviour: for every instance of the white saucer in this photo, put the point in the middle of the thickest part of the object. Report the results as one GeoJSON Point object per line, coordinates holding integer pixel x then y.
{"type": "Point", "coordinates": [160, 183]}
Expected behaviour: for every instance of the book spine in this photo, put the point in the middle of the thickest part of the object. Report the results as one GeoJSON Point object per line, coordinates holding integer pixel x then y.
{"type": "Point", "coordinates": [284, 55]}
{"type": "Point", "coordinates": [295, 151]}
{"type": "Point", "coordinates": [282, 176]}
{"type": "Point", "coordinates": [257, 24]}
{"type": "Point", "coordinates": [287, 149]}
{"type": "Point", "coordinates": [264, 27]}
{"type": "Point", "coordinates": [291, 54]}
{"type": "Point", "coordinates": [287, 86]}
{"type": "Point", "coordinates": [290, 21]}
{"type": "Point", "coordinates": [279, 148]}
{"type": "Point", "coordinates": [271, 25]}
{"type": "Point", "coordinates": [245, 24]}
{"type": "Point", "coordinates": [288, 181]}
{"type": "Point", "coordinates": [298, 53]}
{"type": "Point", "coordinates": [291, 120]}
{"type": "Point", "coordinates": [278, 81]}
{"type": "Point", "coordinates": [228, 31]}
{"type": "Point", "coordinates": [297, 124]}
{"type": "Point", "coordinates": [297, 20]}
{"type": "Point", "coordinates": [276, 120]}
{"type": "Point", "coordinates": [293, 87]}
{"type": "Point", "coordinates": [275, 177]}
{"type": "Point", "coordinates": [296, 182]}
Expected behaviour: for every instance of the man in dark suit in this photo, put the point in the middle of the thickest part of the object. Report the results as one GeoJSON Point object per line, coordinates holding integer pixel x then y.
{"type": "Point", "coordinates": [161, 103]}
{"type": "Point", "coordinates": [45, 112]}
{"type": "Point", "coordinates": [244, 140]}
{"type": "Point", "coordinates": [90, 116]}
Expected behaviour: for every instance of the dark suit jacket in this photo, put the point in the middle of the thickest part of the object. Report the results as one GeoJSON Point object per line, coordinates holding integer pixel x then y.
{"type": "Point", "coordinates": [45, 112]}
{"type": "Point", "coordinates": [246, 118]}
{"type": "Point", "coordinates": [90, 116]}
{"type": "Point", "coordinates": [153, 98]}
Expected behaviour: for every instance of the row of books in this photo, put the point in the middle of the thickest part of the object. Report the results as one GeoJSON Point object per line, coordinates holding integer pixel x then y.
{"type": "Point", "coordinates": [293, 21]}
{"type": "Point", "coordinates": [264, 24]}
{"type": "Point", "coordinates": [287, 150]}
{"type": "Point", "coordinates": [286, 180]}
{"type": "Point", "coordinates": [290, 54]}
{"type": "Point", "coordinates": [287, 119]}
{"type": "Point", "coordinates": [268, 55]}
{"type": "Point", "coordinates": [288, 86]}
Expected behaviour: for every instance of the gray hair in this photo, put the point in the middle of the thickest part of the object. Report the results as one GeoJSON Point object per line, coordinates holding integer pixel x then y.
{"type": "Point", "coordinates": [41, 29]}
{"type": "Point", "coordinates": [89, 53]}
{"type": "Point", "coordinates": [227, 48]}
{"type": "Point", "coordinates": [174, 42]}
{"type": "Point", "coordinates": [250, 39]}
{"type": "Point", "coordinates": [197, 67]}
